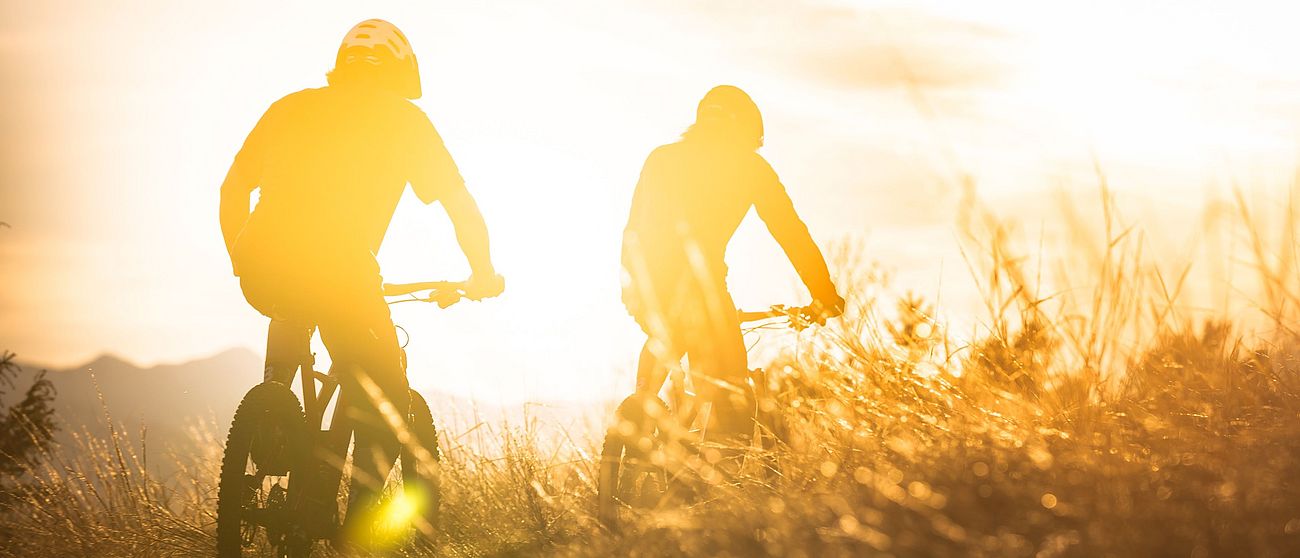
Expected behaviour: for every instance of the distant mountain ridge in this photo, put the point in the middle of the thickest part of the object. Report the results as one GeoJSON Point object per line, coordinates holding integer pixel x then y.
{"type": "Point", "coordinates": [165, 399]}
{"type": "Point", "coordinates": [168, 399]}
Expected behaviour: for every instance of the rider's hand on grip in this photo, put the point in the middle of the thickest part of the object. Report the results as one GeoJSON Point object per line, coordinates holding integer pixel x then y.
{"type": "Point", "coordinates": [824, 309]}
{"type": "Point", "coordinates": [446, 298]}
{"type": "Point", "coordinates": [481, 287]}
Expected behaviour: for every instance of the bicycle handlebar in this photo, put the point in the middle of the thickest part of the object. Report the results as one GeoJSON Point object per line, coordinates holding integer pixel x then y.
{"type": "Point", "coordinates": [800, 316]}
{"type": "Point", "coordinates": [754, 316]}
{"type": "Point", "coordinates": [399, 289]}
{"type": "Point", "coordinates": [445, 293]}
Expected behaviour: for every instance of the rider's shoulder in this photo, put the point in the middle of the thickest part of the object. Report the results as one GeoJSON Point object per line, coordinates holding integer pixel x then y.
{"type": "Point", "coordinates": [294, 100]}
{"type": "Point", "coordinates": [756, 168]}
{"type": "Point", "coordinates": [757, 161]}
{"type": "Point", "coordinates": [301, 95]}
{"type": "Point", "coordinates": [749, 160]}
{"type": "Point", "coordinates": [669, 150]}
{"type": "Point", "coordinates": [412, 111]}
{"type": "Point", "coordinates": [402, 112]}
{"type": "Point", "coordinates": [666, 149]}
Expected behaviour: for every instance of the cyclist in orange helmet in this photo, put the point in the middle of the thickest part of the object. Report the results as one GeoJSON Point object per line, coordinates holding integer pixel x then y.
{"type": "Point", "coordinates": [689, 201]}
{"type": "Point", "coordinates": [331, 163]}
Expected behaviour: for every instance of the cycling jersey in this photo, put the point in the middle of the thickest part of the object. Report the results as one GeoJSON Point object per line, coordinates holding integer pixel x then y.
{"type": "Point", "coordinates": [689, 201]}
{"type": "Point", "coordinates": [332, 164]}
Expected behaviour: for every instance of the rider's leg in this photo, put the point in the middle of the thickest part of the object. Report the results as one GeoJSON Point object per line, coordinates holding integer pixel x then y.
{"type": "Point", "coordinates": [651, 370]}
{"type": "Point", "coordinates": [363, 337]}
{"type": "Point", "coordinates": [287, 345]}
{"type": "Point", "coordinates": [288, 337]}
{"type": "Point", "coordinates": [660, 356]}
{"type": "Point", "coordinates": [643, 412]}
{"type": "Point", "coordinates": [719, 365]}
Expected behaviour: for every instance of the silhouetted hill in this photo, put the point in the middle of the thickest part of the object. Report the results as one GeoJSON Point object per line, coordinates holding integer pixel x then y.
{"type": "Point", "coordinates": [165, 399]}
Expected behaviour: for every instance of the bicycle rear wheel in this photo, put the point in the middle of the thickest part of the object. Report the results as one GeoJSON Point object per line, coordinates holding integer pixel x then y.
{"type": "Point", "coordinates": [265, 446]}
{"type": "Point", "coordinates": [628, 475]}
{"type": "Point", "coordinates": [421, 464]}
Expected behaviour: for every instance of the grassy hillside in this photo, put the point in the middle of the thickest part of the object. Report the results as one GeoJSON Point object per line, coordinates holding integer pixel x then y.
{"type": "Point", "coordinates": [1092, 414]}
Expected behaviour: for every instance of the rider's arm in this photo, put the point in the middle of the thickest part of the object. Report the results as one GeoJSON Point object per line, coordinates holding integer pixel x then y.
{"type": "Point", "coordinates": [242, 178]}
{"type": "Point", "coordinates": [235, 192]}
{"type": "Point", "coordinates": [636, 263]}
{"type": "Point", "coordinates": [777, 211]}
{"type": "Point", "coordinates": [644, 206]}
{"type": "Point", "coordinates": [435, 177]}
{"type": "Point", "coordinates": [471, 230]}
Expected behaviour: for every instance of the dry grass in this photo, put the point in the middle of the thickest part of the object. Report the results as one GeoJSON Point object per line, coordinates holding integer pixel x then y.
{"type": "Point", "coordinates": [1093, 414]}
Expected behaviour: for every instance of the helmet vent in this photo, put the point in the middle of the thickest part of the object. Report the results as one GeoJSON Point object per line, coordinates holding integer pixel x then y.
{"type": "Point", "coordinates": [364, 42]}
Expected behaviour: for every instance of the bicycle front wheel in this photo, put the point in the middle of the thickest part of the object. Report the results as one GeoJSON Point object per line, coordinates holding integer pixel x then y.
{"type": "Point", "coordinates": [611, 461]}
{"type": "Point", "coordinates": [266, 444]}
{"type": "Point", "coordinates": [421, 463]}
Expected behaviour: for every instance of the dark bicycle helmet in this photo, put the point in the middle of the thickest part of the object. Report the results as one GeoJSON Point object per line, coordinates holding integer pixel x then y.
{"type": "Point", "coordinates": [729, 107]}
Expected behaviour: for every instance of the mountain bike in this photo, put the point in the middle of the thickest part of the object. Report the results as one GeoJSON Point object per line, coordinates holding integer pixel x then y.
{"type": "Point", "coordinates": [653, 443]}
{"type": "Point", "coordinates": [282, 467]}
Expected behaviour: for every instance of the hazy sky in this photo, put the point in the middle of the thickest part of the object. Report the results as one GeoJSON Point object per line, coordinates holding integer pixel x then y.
{"type": "Point", "coordinates": [120, 118]}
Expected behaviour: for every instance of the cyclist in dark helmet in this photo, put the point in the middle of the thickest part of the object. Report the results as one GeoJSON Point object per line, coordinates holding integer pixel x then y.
{"type": "Point", "coordinates": [691, 197]}
{"type": "Point", "coordinates": [331, 164]}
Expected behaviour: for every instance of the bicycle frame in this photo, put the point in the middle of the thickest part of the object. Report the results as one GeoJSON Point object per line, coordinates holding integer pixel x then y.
{"type": "Point", "coordinates": [289, 358]}
{"type": "Point", "coordinates": [288, 352]}
{"type": "Point", "coordinates": [798, 320]}
{"type": "Point", "coordinates": [650, 442]}
{"type": "Point", "coordinates": [288, 355]}
{"type": "Point", "coordinates": [683, 399]}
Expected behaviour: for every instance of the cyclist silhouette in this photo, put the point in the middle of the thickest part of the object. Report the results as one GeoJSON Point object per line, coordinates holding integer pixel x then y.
{"type": "Point", "coordinates": [689, 201]}
{"type": "Point", "coordinates": [331, 164]}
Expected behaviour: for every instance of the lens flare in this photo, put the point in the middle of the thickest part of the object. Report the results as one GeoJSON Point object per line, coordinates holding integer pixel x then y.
{"type": "Point", "coordinates": [395, 518]}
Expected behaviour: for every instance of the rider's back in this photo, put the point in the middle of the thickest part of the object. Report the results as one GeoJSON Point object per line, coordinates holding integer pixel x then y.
{"type": "Point", "coordinates": [333, 162]}
{"type": "Point", "coordinates": [691, 198]}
